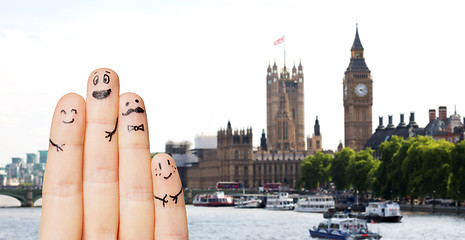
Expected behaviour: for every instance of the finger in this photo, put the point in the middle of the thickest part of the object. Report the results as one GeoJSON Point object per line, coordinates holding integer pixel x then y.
{"type": "Point", "coordinates": [170, 210]}
{"type": "Point", "coordinates": [100, 169]}
{"type": "Point", "coordinates": [62, 191]}
{"type": "Point", "coordinates": [135, 179]}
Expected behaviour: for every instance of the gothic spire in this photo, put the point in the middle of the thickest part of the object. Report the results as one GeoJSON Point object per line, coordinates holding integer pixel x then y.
{"type": "Point", "coordinates": [357, 45]}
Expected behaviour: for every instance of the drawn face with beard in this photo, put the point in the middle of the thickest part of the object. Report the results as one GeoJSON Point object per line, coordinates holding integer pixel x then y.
{"type": "Point", "coordinates": [133, 110]}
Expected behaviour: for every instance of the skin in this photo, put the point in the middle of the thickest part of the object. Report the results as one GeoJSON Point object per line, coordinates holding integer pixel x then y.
{"type": "Point", "coordinates": [102, 188]}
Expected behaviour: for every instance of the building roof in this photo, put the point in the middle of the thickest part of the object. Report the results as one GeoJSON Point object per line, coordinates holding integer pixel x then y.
{"type": "Point", "coordinates": [357, 45]}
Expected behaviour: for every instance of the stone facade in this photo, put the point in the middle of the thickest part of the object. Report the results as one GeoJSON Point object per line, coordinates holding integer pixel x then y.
{"type": "Point", "coordinates": [236, 160]}
{"type": "Point", "coordinates": [285, 108]}
{"type": "Point", "coordinates": [358, 99]}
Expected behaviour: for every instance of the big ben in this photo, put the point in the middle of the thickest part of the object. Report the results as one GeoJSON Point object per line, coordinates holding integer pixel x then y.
{"type": "Point", "coordinates": [358, 98]}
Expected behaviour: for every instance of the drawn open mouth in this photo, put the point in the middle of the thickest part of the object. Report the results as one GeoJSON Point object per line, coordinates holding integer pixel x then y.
{"type": "Point", "coordinates": [68, 122]}
{"type": "Point", "coordinates": [168, 176]}
{"type": "Point", "coordinates": [101, 94]}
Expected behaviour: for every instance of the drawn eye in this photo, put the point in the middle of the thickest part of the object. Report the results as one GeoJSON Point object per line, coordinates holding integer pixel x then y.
{"type": "Point", "coordinates": [106, 79]}
{"type": "Point", "coordinates": [74, 110]}
{"type": "Point", "coordinates": [95, 81]}
{"type": "Point", "coordinates": [63, 111]}
{"type": "Point", "coordinates": [137, 101]}
{"type": "Point", "coordinates": [127, 103]}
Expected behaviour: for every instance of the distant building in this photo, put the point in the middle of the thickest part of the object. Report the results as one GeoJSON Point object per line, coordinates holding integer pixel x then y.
{"type": "Point", "coordinates": [285, 109]}
{"type": "Point", "coordinates": [442, 127]}
{"type": "Point", "coordinates": [31, 158]}
{"type": "Point", "coordinates": [314, 144]}
{"type": "Point", "coordinates": [43, 156]}
{"type": "Point", "coordinates": [383, 134]}
{"type": "Point", "coordinates": [235, 159]}
{"type": "Point", "coordinates": [450, 129]}
{"type": "Point", "coordinates": [357, 98]}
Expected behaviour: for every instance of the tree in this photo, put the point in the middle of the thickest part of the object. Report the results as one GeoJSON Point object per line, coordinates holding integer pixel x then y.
{"type": "Point", "coordinates": [456, 181]}
{"type": "Point", "coordinates": [315, 170]}
{"type": "Point", "coordinates": [338, 169]}
{"type": "Point", "coordinates": [361, 170]}
{"type": "Point", "coordinates": [384, 183]}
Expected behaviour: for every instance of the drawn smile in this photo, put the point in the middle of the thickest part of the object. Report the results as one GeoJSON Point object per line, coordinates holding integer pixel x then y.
{"type": "Point", "coordinates": [131, 110]}
{"type": "Point", "coordinates": [101, 94]}
{"type": "Point", "coordinates": [168, 176]}
{"type": "Point", "coordinates": [68, 122]}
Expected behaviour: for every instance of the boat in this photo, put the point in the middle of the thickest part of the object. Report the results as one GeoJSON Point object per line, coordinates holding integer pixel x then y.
{"type": "Point", "coordinates": [381, 212]}
{"type": "Point", "coordinates": [280, 201]}
{"type": "Point", "coordinates": [249, 201]}
{"type": "Point", "coordinates": [315, 204]}
{"type": "Point", "coordinates": [340, 226]}
{"type": "Point", "coordinates": [215, 199]}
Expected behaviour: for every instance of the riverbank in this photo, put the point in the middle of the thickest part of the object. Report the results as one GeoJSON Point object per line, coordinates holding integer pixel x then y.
{"type": "Point", "coordinates": [432, 209]}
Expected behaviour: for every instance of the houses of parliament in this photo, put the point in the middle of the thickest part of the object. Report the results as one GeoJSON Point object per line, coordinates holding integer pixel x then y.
{"type": "Point", "coordinates": [283, 146]}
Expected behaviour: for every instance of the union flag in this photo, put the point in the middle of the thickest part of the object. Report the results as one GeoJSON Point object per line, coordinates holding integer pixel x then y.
{"type": "Point", "coordinates": [279, 41]}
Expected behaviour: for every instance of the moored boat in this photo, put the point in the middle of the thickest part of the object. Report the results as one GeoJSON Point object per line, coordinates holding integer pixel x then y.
{"type": "Point", "coordinates": [343, 227]}
{"type": "Point", "coordinates": [315, 203]}
{"type": "Point", "coordinates": [216, 199]}
{"type": "Point", "coordinates": [381, 212]}
{"type": "Point", "coordinates": [280, 201]}
{"type": "Point", "coordinates": [248, 202]}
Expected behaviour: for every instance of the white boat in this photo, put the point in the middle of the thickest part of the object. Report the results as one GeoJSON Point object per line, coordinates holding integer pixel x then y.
{"type": "Point", "coordinates": [314, 203]}
{"type": "Point", "coordinates": [383, 211]}
{"type": "Point", "coordinates": [343, 227]}
{"type": "Point", "coordinates": [213, 200]}
{"type": "Point", "coordinates": [248, 202]}
{"type": "Point", "coordinates": [280, 201]}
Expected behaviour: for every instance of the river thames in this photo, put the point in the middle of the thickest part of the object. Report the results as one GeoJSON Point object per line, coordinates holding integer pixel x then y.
{"type": "Point", "coordinates": [233, 223]}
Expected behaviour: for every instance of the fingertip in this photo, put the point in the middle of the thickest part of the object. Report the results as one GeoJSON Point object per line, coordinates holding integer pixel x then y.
{"type": "Point", "coordinates": [69, 118]}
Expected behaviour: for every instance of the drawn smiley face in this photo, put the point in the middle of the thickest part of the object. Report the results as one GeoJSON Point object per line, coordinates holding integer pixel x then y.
{"type": "Point", "coordinates": [105, 80]}
{"type": "Point", "coordinates": [131, 110]}
{"type": "Point", "coordinates": [165, 170]}
{"type": "Point", "coordinates": [67, 117]}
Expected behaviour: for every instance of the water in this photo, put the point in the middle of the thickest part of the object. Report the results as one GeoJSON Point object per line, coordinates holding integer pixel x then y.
{"type": "Point", "coordinates": [232, 223]}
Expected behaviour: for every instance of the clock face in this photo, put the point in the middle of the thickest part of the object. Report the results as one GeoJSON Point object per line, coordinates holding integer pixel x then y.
{"type": "Point", "coordinates": [361, 90]}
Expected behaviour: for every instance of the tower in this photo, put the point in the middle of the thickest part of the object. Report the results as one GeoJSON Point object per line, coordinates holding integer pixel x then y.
{"type": "Point", "coordinates": [285, 108]}
{"type": "Point", "coordinates": [314, 144]}
{"type": "Point", "coordinates": [358, 98]}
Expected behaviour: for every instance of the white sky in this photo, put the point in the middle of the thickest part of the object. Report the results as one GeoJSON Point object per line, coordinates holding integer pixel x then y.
{"type": "Point", "coordinates": [198, 64]}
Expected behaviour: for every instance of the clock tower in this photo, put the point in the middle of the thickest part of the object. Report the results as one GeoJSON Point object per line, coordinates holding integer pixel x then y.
{"type": "Point", "coordinates": [358, 99]}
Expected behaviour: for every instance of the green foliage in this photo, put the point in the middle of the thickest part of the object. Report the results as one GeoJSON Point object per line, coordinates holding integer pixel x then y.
{"type": "Point", "coordinates": [456, 183]}
{"type": "Point", "coordinates": [420, 166]}
{"type": "Point", "coordinates": [383, 184]}
{"type": "Point", "coordinates": [315, 170]}
{"type": "Point", "coordinates": [338, 169]}
{"type": "Point", "coordinates": [361, 170]}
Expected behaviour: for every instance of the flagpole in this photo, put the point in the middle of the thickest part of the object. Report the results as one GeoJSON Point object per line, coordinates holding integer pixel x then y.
{"type": "Point", "coordinates": [284, 40]}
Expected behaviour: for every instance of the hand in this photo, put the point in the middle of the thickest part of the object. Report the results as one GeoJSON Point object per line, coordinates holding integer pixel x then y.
{"type": "Point", "coordinates": [99, 182]}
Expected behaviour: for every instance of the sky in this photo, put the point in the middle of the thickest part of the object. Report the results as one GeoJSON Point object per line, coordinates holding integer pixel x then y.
{"type": "Point", "coordinates": [200, 64]}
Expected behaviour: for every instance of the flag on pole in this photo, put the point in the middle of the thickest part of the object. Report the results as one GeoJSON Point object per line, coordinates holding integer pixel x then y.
{"type": "Point", "coordinates": [279, 41]}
